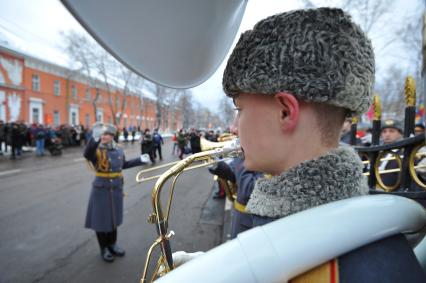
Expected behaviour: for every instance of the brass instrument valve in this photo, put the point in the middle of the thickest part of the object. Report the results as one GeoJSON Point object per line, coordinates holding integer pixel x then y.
{"type": "Point", "coordinates": [152, 218]}
{"type": "Point", "coordinates": [170, 234]}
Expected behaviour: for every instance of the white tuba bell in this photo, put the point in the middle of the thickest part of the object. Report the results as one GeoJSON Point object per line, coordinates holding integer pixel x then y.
{"type": "Point", "coordinates": [177, 44]}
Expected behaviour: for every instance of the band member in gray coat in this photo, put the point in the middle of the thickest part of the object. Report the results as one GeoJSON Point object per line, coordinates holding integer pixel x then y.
{"type": "Point", "coordinates": [105, 208]}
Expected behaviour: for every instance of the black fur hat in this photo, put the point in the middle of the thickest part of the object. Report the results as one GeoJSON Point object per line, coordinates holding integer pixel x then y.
{"type": "Point", "coordinates": [318, 55]}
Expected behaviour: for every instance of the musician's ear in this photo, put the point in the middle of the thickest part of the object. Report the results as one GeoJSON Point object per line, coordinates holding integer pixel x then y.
{"type": "Point", "coordinates": [289, 108]}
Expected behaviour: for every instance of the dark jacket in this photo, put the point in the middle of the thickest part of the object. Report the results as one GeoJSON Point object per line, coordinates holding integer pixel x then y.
{"type": "Point", "coordinates": [2, 132]}
{"type": "Point", "coordinates": [157, 139]}
{"type": "Point", "coordinates": [245, 180]}
{"type": "Point", "coordinates": [105, 208]}
{"type": "Point", "coordinates": [147, 144]}
{"type": "Point", "coordinates": [389, 260]}
{"type": "Point", "coordinates": [194, 140]}
{"type": "Point", "coordinates": [181, 139]}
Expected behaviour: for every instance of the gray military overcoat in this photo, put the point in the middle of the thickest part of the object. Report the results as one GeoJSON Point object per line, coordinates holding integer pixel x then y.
{"type": "Point", "coordinates": [105, 208]}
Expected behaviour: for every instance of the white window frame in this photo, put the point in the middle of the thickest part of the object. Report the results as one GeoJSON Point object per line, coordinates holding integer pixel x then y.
{"type": "Point", "coordinates": [56, 88]}
{"type": "Point", "coordinates": [36, 103]}
{"type": "Point", "coordinates": [74, 109]}
{"type": "Point", "coordinates": [56, 118]}
{"type": "Point", "coordinates": [73, 91]}
{"type": "Point", "coordinates": [35, 80]}
{"type": "Point", "coordinates": [99, 115]}
{"type": "Point", "coordinates": [87, 119]}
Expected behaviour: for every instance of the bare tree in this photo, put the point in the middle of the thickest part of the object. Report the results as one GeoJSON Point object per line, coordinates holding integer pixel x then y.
{"type": "Point", "coordinates": [186, 108]}
{"type": "Point", "coordinates": [137, 85]}
{"type": "Point", "coordinates": [391, 91]}
{"type": "Point", "coordinates": [172, 107]}
{"type": "Point", "coordinates": [227, 111]}
{"type": "Point", "coordinates": [99, 66]}
{"type": "Point", "coordinates": [396, 36]}
{"type": "Point", "coordinates": [81, 52]}
{"type": "Point", "coordinates": [162, 95]}
{"type": "Point", "coordinates": [411, 35]}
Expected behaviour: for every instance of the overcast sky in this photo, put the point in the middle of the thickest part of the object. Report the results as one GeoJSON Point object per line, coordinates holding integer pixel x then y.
{"type": "Point", "coordinates": [34, 27]}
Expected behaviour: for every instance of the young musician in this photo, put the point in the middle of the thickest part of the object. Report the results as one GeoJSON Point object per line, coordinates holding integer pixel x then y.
{"type": "Point", "coordinates": [294, 79]}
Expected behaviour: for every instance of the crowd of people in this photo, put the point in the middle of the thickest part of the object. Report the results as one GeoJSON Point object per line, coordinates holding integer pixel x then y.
{"type": "Point", "coordinates": [14, 136]}
{"type": "Point", "coordinates": [391, 130]}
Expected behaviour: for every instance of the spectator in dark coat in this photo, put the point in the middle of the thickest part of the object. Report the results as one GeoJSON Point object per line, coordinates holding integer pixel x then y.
{"type": "Point", "coordinates": [194, 140]}
{"type": "Point", "coordinates": [158, 142]}
{"type": "Point", "coordinates": [2, 136]}
{"type": "Point", "coordinates": [147, 145]}
{"type": "Point", "coordinates": [40, 137]}
{"type": "Point", "coordinates": [181, 141]}
{"type": "Point", "coordinates": [14, 139]}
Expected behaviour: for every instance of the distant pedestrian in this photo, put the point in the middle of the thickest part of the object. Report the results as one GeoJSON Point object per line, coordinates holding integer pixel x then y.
{"type": "Point", "coordinates": [14, 139]}
{"type": "Point", "coordinates": [175, 144]}
{"type": "Point", "coordinates": [125, 134]}
{"type": "Point", "coordinates": [158, 141]}
{"type": "Point", "coordinates": [133, 132]}
{"type": "Point", "coordinates": [40, 137]}
{"type": "Point", "coordinates": [2, 136]}
{"type": "Point", "coordinates": [147, 145]}
{"type": "Point", "coordinates": [194, 140]}
{"type": "Point", "coordinates": [181, 140]}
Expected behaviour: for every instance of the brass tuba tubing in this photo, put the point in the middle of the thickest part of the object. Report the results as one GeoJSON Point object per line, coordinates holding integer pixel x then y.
{"type": "Point", "coordinates": [145, 179]}
{"type": "Point", "coordinates": [205, 146]}
{"type": "Point", "coordinates": [141, 179]}
{"type": "Point", "coordinates": [388, 171]}
{"type": "Point", "coordinates": [418, 155]}
{"type": "Point", "coordinates": [160, 218]}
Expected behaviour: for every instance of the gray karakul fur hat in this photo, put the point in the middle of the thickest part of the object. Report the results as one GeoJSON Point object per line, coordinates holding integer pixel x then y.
{"type": "Point", "coordinates": [318, 55]}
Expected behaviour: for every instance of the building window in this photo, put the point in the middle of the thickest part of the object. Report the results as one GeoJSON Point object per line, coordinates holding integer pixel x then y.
{"type": "Point", "coordinates": [99, 115]}
{"type": "Point", "coordinates": [36, 83]}
{"type": "Point", "coordinates": [36, 115]}
{"type": "Point", "coordinates": [74, 91]}
{"type": "Point", "coordinates": [87, 120]}
{"type": "Point", "coordinates": [73, 118]}
{"type": "Point", "coordinates": [88, 96]}
{"type": "Point", "coordinates": [98, 95]}
{"type": "Point", "coordinates": [56, 88]}
{"type": "Point", "coordinates": [56, 118]}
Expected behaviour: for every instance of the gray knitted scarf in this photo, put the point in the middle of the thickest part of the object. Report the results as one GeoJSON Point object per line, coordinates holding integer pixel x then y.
{"type": "Point", "coordinates": [334, 176]}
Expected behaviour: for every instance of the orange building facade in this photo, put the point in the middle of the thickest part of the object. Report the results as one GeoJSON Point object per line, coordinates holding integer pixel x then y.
{"type": "Point", "coordinates": [37, 91]}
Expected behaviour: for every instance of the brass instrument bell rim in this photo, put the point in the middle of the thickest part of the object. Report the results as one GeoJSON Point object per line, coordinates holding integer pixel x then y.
{"type": "Point", "coordinates": [412, 168]}
{"type": "Point", "coordinates": [142, 179]}
{"type": "Point", "coordinates": [378, 174]}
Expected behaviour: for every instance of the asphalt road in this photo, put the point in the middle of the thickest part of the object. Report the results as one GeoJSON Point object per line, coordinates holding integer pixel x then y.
{"type": "Point", "coordinates": [43, 203]}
